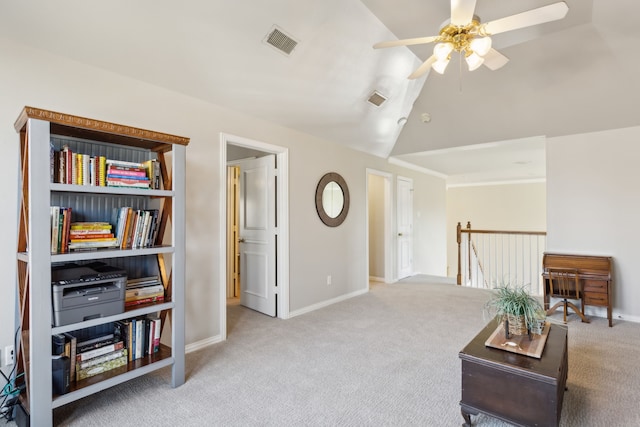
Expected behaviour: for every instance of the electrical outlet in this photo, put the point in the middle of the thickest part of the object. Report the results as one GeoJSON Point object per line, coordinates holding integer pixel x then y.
{"type": "Point", "coordinates": [9, 356]}
{"type": "Point", "coordinates": [328, 279]}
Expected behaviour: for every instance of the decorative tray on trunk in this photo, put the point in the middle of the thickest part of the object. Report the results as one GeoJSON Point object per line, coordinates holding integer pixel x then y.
{"type": "Point", "coordinates": [520, 344]}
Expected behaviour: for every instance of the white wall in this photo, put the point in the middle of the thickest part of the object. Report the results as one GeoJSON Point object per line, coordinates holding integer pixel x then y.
{"type": "Point", "coordinates": [593, 203]}
{"type": "Point", "coordinates": [512, 207]}
{"type": "Point", "coordinates": [41, 80]}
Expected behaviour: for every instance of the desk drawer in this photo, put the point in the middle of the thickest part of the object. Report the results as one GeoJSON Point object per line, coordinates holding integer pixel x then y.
{"type": "Point", "coordinates": [596, 299]}
{"type": "Point", "coordinates": [595, 286]}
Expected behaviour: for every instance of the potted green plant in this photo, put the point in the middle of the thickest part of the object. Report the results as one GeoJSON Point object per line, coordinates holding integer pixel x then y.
{"type": "Point", "coordinates": [514, 305]}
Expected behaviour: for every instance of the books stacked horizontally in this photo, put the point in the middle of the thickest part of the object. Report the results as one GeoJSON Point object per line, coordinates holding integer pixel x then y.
{"type": "Point", "coordinates": [98, 355]}
{"type": "Point", "coordinates": [140, 335]}
{"type": "Point", "coordinates": [91, 235]}
{"type": "Point", "coordinates": [136, 228]}
{"type": "Point", "coordinates": [127, 174]}
{"type": "Point", "coordinates": [143, 290]}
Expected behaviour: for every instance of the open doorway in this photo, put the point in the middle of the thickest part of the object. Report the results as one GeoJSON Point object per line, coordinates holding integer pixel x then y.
{"type": "Point", "coordinates": [379, 219]}
{"type": "Point", "coordinates": [259, 164]}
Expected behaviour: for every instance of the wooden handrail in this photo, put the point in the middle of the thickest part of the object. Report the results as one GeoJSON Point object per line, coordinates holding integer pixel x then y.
{"type": "Point", "coordinates": [533, 233]}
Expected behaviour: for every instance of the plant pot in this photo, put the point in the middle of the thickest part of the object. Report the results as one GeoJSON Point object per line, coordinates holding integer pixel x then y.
{"type": "Point", "coordinates": [516, 325]}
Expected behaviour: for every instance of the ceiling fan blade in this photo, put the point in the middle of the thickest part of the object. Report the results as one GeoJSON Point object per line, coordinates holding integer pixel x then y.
{"type": "Point", "coordinates": [537, 16]}
{"type": "Point", "coordinates": [494, 60]}
{"type": "Point", "coordinates": [405, 42]}
{"type": "Point", "coordinates": [423, 68]}
{"type": "Point", "coordinates": [462, 11]}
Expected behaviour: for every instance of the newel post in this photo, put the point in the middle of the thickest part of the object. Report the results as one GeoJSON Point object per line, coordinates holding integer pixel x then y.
{"type": "Point", "coordinates": [469, 249]}
{"type": "Point", "coordinates": [459, 240]}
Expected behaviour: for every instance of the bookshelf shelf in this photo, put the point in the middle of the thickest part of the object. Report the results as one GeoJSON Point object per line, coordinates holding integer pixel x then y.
{"type": "Point", "coordinates": [95, 254]}
{"type": "Point", "coordinates": [41, 133]}
{"type": "Point", "coordinates": [90, 189]}
{"type": "Point", "coordinates": [137, 368]}
{"type": "Point", "coordinates": [128, 313]}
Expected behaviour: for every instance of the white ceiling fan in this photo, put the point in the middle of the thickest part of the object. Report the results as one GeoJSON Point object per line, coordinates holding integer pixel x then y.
{"type": "Point", "coordinates": [466, 34]}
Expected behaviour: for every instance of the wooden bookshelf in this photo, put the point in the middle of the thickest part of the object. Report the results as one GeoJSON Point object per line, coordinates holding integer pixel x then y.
{"type": "Point", "coordinates": [39, 130]}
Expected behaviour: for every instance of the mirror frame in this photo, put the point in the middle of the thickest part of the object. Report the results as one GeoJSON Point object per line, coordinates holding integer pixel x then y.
{"type": "Point", "coordinates": [324, 217]}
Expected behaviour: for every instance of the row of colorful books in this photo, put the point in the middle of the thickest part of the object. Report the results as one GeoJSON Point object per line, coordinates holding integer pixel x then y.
{"type": "Point", "coordinates": [68, 167]}
{"type": "Point", "coordinates": [136, 228]}
{"type": "Point", "coordinates": [143, 290]}
{"type": "Point", "coordinates": [141, 335]}
{"type": "Point", "coordinates": [67, 235]}
{"type": "Point", "coordinates": [76, 357]}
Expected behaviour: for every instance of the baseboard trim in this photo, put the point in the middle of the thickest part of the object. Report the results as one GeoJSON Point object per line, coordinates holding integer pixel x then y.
{"type": "Point", "coordinates": [376, 279]}
{"type": "Point", "coordinates": [615, 315]}
{"type": "Point", "coordinates": [326, 303]}
{"type": "Point", "coordinates": [203, 343]}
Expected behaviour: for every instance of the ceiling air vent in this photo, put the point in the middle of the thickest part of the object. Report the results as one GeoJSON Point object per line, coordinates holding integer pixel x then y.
{"type": "Point", "coordinates": [377, 98]}
{"type": "Point", "coordinates": [281, 41]}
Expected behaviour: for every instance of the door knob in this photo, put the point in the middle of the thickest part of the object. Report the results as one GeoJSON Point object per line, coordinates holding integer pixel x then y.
{"type": "Point", "coordinates": [399, 234]}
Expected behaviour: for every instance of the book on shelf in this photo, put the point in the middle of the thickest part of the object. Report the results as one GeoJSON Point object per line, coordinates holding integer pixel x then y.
{"type": "Point", "coordinates": [154, 346]}
{"type": "Point", "coordinates": [124, 163]}
{"type": "Point", "coordinates": [143, 281]}
{"type": "Point", "coordinates": [69, 167]}
{"type": "Point", "coordinates": [145, 300]}
{"type": "Point", "coordinates": [102, 179]}
{"type": "Point", "coordinates": [97, 342]}
{"type": "Point", "coordinates": [100, 368]}
{"type": "Point", "coordinates": [139, 346]}
{"type": "Point", "coordinates": [153, 172]}
{"type": "Point", "coordinates": [91, 225]}
{"type": "Point", "coordinates": [103, 358]}
{"type": "Point", "coordinates": [81, 357]}
{"type": "Point", "coordinates": [123, 329]}
{"type": "Point", "coordinates": [84, 235]}
{"type": "Point", "coordinates": [91, 234]}
{"type": "Point", "coordinates": [125, 172]}
{"type": "Point", "coordinates": [72, 341]}
{"type": "Point", "coordinates": [137, 293]}
{"type": "Point", "coordinates": [60, 220]}
{"type": "Point", "coordinates": [135, 228]}
{"type": "Point", "coordinates": [127, 182]}
{"type": "Point", "coordinates": [55, 215]}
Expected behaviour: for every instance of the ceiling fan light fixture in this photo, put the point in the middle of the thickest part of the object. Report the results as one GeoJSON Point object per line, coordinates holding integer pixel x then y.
{"type": "Point", "coordinates": [440, 65]}
{"type": "Point", "coordinates": [481, 45]}
{"type": "Point", "coordinates": [474, 61]}
{"type": "Point", "coordinates": [442, 50]}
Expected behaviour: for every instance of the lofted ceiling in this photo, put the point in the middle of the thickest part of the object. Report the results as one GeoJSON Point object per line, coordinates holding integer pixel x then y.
{"type": "Point", "coordinates": [566, 77]}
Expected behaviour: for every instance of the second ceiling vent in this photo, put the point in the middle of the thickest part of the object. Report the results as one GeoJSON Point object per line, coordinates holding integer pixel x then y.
{"type": "Point", "coordinates": [376, 98]}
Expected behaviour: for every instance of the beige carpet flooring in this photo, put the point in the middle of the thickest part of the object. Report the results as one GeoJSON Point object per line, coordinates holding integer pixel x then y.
{"type": "Point", "coordinates": [386, 358]}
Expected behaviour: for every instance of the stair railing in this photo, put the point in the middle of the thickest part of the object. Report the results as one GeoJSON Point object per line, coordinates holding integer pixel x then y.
{"type": "Point", "coordinates": [490, 258]}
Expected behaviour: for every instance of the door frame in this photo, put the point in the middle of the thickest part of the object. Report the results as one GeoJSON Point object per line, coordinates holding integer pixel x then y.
{"type": "Point", "coordinates": [282, 212]}
{"type": "Point", "coordinates": [389, 250]}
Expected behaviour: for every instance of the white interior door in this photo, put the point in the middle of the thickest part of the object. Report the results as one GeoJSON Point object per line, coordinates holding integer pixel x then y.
{"type": "Point", "coordinates": [258, 234]}
{"type": "Point", "coordinates": [404, 227]}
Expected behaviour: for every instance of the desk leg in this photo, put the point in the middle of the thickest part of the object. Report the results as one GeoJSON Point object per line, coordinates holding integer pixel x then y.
{"type": "Point", "coordinates": [466, 414]}
{"type": "Point", "coordinates": [467, 418]}
{"type": "Point", "coordinates": [609, 313]}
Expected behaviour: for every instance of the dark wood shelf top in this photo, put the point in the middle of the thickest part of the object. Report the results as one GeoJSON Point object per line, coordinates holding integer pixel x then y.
{"type": "Point", "coordinates": [82, 127]}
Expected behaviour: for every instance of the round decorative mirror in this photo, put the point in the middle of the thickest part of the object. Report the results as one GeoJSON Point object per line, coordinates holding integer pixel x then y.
{"type": "Point", "coordinates": [332, 199]}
